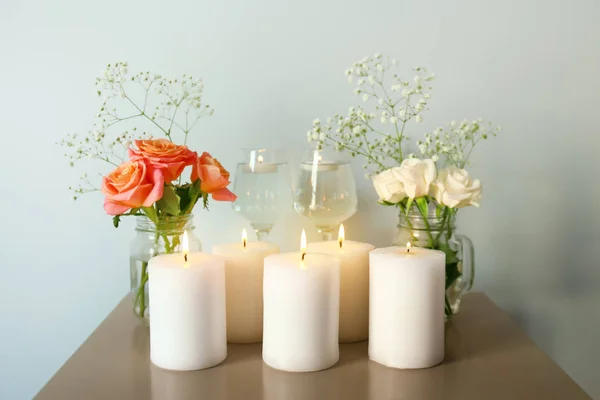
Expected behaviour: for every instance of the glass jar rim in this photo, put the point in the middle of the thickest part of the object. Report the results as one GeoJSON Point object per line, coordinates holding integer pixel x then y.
{"type": "Point", "coordinates": [415, 221]}
{"type": "Point", "coordinates": [172, 224]}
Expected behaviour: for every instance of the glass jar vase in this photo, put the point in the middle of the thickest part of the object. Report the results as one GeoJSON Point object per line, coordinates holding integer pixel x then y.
{"type": "Point", "coordinates": [152, 239]}
{"type": "Point", "coordinates": [437, 231]}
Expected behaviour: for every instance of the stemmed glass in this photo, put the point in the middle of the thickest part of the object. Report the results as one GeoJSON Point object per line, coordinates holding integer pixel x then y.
{"type": "Point", "coordinates": [261, 184]}
{"type": "Point", "coordinates": [325, 191]}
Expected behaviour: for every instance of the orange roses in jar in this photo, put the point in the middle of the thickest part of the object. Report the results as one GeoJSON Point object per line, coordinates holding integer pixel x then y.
{"type": "Point", "coordinates": [213, 177]}
{"type": "Point", "coordinates": [147, 179]}
{"type": "Point", "coordinates": [133, 184]}
{"type": "Point", "coordinates": [165, 155]}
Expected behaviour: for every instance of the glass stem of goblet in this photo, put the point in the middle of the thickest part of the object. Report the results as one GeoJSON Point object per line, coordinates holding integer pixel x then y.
{"type": "Point", "coordinates": [262, 230]}
{"type": "Point", "coordinates": [326, 232]}
{"type": "Point", "coordinates": [262, 234]}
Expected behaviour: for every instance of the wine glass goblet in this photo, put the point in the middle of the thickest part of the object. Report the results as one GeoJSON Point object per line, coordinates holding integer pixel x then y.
{"type": "Point", "coordinates": [325, 191]}
{"type": "Point", "coordinates": [262, 188]}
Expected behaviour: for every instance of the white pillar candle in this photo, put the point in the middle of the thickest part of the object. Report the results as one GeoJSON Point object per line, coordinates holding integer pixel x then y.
{"type": "Point", "coordinates": [301, 308]}
{"type": "Point", "coordinates": [244, 287]}
{"type": "Point", "coordinates": [354, 285]}
{"type": "Point", "coordinates": [407, 288]}
{"type": "Point", "coordinates": [187, 299]}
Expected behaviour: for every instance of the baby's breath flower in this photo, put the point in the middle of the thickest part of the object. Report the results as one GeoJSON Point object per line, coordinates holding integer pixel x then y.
{"type": "Point", "coordinates": [392, 99]}
{"type": "Point", "coordinates": [106, 143]}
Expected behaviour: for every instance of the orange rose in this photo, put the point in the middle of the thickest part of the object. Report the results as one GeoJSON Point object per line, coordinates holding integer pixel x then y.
{"type": "Point", "coordinates": [133, 184]}
{"type": "Point", "coordinates": [213, 177]}
{"type": "Point", "coordinates": [165, 155]}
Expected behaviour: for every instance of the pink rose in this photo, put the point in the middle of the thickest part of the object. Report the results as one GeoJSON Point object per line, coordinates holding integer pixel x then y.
{"type": "Point", "coordinates": [133, 184]}
{"type": "Point", "coordinates": [213, 177]}
{"type": "Point", "coordinates": [165, 155]}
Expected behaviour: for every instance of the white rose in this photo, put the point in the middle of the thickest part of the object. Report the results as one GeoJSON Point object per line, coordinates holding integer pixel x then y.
{"type": "Point", "coordinates": [388, 187]}
{"type": "Point", "coordinates": [455, 189]}
{"type": "Point", "coordinates": [412, 178]}
{"type": "Point", "coordinates": [416, 176]}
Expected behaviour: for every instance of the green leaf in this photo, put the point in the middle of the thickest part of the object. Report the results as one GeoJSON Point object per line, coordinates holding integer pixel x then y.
{"type": "Point", "coordinates": [387, 203]}
{"type": "Point", "coordinates": [183, 193]}
{"type": "Point", "coordinates": [169, 203]}
{"type": "Point", "coordinates": [409, 203]}
{"type": "Point", "coordinates": [176, 242]}
{"type": "Point", "coordinates": [452, 273]}
{"type": "Point", "coordinates": [401, 207]}
{"type": "Point", "coordinates": [188, 195]}
{"type": "Point", "coordinates": [423, 206]}
{"type": "Point", "coordinates": [451, 257]}
{"type": "Point", "coordinates": [438, 211]}
{"type": "Point", "coordinates": [151, 214]}
{"type": "Point", "coordinates": [116, 220]}
{"type": "Point", "coordinates": [205, 200]}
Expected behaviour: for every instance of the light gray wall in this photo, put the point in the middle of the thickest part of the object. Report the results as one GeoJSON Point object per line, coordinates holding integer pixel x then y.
{"type": "Point", "coordinates": [270, 67]}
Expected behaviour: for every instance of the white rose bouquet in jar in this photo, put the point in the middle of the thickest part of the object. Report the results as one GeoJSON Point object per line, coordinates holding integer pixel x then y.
{"type": "Point", "coordinates": [428, 188]}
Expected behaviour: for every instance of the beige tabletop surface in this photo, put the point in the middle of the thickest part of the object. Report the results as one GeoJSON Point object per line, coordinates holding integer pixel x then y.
{"type": "Point", "coordinates": [487, 357]}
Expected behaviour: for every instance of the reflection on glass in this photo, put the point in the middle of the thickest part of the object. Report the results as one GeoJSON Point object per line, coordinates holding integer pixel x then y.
{"type": "Point", "coordinates": [325, 191]}
{"type": "Point", "coordinates": [260, 183]}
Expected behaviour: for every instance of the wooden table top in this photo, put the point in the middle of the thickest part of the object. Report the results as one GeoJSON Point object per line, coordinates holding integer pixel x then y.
{"type": "Point", "coordinates": [487, 357]}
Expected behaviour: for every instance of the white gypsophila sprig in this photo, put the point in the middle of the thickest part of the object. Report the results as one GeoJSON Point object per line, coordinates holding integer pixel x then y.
{"type": "Point", "coordinates": [455, 143]}
{"type": "Point", "coordinates": [377, 130]}
{"type": "Point", "coordinates": [140, 106]}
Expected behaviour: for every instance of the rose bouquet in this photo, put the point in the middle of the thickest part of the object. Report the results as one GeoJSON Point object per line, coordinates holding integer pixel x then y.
{"type": "Point", "coordinates": [148, 176]}
{"type": "Point", "coordinates": [428, 189]}
{"type": "Point", "coordinates": [144, 184]}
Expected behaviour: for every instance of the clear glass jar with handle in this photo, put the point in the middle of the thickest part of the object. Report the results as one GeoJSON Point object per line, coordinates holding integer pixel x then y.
{"type": "Point", "coordinates": [152, 239]}
{"type": "Point", "coordinates": [437, 231]}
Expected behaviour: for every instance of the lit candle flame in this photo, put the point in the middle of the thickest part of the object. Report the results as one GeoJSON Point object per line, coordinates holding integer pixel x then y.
{"type": "Point", "coordinates": [185, 246]}
{"type": "Point", "coordinates": [260, 159]}
{"type": "Point", "coordinates": [303, 244]}
{"type": "Point", "coordinates": [244, 238]}
{"type": "Point", "coordinates": [341, 236]}
{"type": "Point", "coordinates": [408, 247]}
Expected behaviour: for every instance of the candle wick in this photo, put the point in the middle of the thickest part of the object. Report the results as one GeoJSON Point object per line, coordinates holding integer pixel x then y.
{"type": "Point", "coordinates": [303, 255]}
{"type": "Point", "coordinates": [185, 256]}
{"type": "Point", "coordinates": [340, 242]}
{"type": "Point", "coordinates": [408, 250]}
